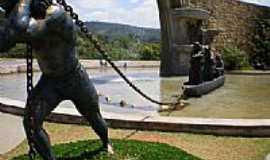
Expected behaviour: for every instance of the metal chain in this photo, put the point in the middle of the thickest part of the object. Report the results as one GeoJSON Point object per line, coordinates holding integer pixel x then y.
{"type": "Point", "coordinates": [105, 55]}
{"type": "Point", "coordinates": [29, 84]}
{"type": "Point", "coordinates": [29, 69]}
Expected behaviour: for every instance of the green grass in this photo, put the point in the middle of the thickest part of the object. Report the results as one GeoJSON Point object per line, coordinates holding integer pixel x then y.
{"type": "Point", "coordinates": [124, 150]}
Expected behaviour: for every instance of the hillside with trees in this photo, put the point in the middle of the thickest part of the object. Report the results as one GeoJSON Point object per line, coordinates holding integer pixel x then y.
{"type": "Point", "coordinates": [123, 42]}
{"type": "Point", "coordinates": [114, 31]}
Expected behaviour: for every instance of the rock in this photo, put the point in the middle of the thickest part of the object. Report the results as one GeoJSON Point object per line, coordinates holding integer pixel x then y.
{"type": "Point", "coordinates": [99, 93]}
{"type": "Point", "coordinates": [164, 108]}
{"type": "Point", "coordinates": [123, 103]}
{"type": "Point", "coordinates": [108, 99]}
{"type": "Point", "coordinates": [21, 68]}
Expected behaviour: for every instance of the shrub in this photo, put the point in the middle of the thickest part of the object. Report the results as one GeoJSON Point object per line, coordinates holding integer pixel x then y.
{"type": "Point", "coordinates": [234, 58]}
{"type": "Point", "coordinates": [150, 51]}
{"type": "Point", "coordinates": [261, 40]}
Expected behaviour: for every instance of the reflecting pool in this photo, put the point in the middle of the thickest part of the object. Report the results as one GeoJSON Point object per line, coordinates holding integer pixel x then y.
{"type": "Point", "coordinates": [241, 96]}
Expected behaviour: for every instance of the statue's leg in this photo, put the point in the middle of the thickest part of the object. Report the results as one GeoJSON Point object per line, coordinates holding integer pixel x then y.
{"type": "Point", "coordinates": [88, 106]}
{"type": "Point", "coordinates": [39, 105]}
{"type": "Point", "coordinates": [86, 101]}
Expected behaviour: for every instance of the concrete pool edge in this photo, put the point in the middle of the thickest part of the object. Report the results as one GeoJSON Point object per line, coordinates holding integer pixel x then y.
{"type": "Point", "coordinates": [222, 127]}
{"type": "Point", "coordinates": [249, 72]}
{"type": "Point", "coordinates": [13, 66]}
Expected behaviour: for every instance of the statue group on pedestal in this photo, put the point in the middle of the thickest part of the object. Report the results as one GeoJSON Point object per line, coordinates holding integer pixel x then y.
{"type": "Point", "coordinates": [204, 65]}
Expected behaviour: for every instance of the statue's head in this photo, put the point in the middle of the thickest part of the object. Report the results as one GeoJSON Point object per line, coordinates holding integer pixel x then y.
{"type": "Point", "coordinates": [39, 7]}
{"type": "Point", "coordinates": [8, 5]}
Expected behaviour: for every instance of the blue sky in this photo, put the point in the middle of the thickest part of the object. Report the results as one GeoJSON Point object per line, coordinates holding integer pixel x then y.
{"type": "Point", "coordinates": [133, 12]}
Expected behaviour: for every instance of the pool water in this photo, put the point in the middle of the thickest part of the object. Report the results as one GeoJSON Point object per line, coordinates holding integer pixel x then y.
{"type": "Point", "coordinates": [241, 97]}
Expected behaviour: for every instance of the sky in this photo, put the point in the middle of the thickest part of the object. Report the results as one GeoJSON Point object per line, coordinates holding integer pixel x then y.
{"type": "Point", "coordinates": [134, 12]}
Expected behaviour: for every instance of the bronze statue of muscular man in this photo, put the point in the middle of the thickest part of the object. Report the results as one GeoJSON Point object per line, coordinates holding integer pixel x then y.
{"type": "Point", "coordinates": [51, 33]}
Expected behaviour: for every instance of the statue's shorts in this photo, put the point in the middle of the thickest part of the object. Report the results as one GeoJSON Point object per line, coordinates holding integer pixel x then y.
{"type": "Point", "coordinates": [75, 86]}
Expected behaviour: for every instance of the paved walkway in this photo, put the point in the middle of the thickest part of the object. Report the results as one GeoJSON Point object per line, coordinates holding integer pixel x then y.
{"type": "Point", "coordinates": [11, 132]}
{"type": "Point", "coordinates": [9, 66]}
{"type": "Point", "coordinates": [226, 127]}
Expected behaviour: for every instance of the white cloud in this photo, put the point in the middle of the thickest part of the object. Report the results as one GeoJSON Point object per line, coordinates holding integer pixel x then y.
{"type": "Point", "coordinates": [133, 12]}
{"type": "Point", "coordinates": [139, 14]}
{"type": "Point", "coordinates": [261, 2]}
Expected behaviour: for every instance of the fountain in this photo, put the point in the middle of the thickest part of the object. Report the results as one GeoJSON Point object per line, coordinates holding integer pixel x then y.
{"type": "Point", "coordinates": [181, 25]}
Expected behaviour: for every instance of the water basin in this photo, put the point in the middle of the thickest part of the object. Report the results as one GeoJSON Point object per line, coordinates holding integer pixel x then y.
{"type": "Point", "coordinates": [242, 96]}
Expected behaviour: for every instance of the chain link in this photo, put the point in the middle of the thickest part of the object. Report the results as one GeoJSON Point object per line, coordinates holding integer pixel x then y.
{"type": "Point", "coordinates": [105, 55]}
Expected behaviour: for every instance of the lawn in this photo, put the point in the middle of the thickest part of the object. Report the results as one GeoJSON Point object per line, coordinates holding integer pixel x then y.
{"type": "Point", "coordinates": [204, 146]}
{"type": "Point", "coordinates": [124, 150]}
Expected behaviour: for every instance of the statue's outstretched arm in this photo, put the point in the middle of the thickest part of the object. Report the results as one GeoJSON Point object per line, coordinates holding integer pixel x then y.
{"type": "Point", "coordinates": [16, 25]}
{"type": "Point", "coordinates": [19, 18]}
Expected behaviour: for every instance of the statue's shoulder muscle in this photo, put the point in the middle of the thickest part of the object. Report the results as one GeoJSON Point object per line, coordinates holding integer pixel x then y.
{"type": "Point", "coordinates": [58, 19]}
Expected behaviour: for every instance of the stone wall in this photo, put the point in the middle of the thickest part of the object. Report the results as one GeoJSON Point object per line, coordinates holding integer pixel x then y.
{"type": "Point", "coordinates": [237, 19]}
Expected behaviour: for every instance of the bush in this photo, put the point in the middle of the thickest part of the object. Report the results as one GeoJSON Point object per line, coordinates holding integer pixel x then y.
{"type": "Point", "coordinates": [16, 52]}
{"type": "Point", "coordinates": [121, 48]}
{"type": "Point", "coordinates": [124, 149]}
{"type": "Point", "coordinates": [234, 58]}
{"type": "Point", "coordinates": [261, 40]}
{"type": "Point", "coordinates": [150, 51]}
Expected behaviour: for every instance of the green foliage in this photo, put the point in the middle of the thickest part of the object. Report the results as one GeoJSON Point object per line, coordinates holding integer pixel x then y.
{"type": "Point", "coordinates": [121, 48]}
{"type": "Point", "coordinates": [132, 150]}
{"type": "Point", "coordinates": [85, 48]}
{"type": "Point", "coordinates": [234, 58]}
{"type": "Point", "coordinates": [113, 31]}
{"type": "Point", "coordinates": [261, 42]}
{"type": "Point", "coordinates": [17, 52]}
{"type": "Point", "coordinates": [150, 51]}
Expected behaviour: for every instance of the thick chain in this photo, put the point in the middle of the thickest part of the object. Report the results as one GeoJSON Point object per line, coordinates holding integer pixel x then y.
{"type": "Point", "coordinates": [29, 69]}
{"type": "Point", "coordinates": [100, 49]}
{"type": "Point", "coordinates": [29, 85]}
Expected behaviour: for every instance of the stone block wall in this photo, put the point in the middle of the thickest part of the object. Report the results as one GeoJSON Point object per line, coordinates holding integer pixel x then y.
{"type": "Point", "coordinates": [236, 19]}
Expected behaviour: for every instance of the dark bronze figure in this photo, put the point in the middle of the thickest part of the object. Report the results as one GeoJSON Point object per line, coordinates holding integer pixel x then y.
{"type": "Point", "coordinates": [51, 33]}
{"type": "Point", "coordinates": [196, 63]}
{"type": "Point", "coordinates": [204, 66]}
{"type": "Point", "coordinates": [219, 66]}
{"type": "Point", "coordinates": [209, 66]}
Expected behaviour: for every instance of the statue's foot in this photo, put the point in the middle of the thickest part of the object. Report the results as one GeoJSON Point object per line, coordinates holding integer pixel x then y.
{"type": "Point", "coordinates": [109, 149]}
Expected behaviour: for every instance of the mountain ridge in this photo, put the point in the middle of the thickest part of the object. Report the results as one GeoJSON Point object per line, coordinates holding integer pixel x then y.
{"type": "Point", "coordinates": [116, 30]}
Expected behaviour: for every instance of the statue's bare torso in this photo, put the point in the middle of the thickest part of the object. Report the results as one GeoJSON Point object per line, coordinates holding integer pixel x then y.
{"type": "Point", "coordinates": [54, 43]}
